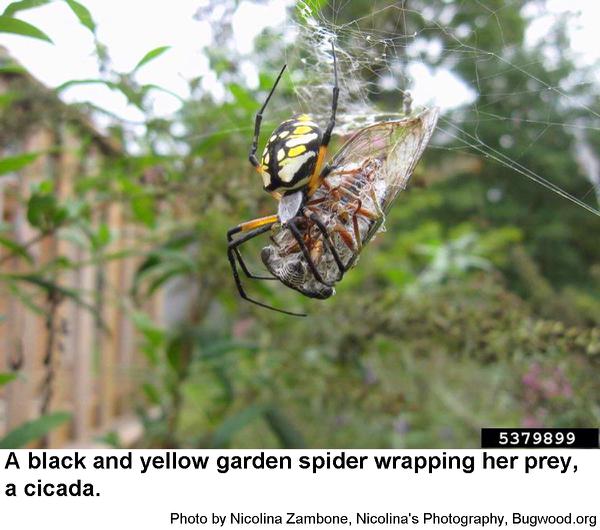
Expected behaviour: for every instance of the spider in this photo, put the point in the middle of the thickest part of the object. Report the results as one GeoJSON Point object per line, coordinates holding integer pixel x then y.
{"type": "Point", "coordinates": [292, 169]}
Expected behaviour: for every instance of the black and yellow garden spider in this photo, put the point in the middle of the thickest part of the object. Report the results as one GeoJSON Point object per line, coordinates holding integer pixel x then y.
{"type": "Point", "coordinates": [292, 168]}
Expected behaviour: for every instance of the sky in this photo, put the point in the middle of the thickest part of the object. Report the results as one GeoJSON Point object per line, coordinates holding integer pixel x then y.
{"type": "Point", "coordinates": [130, 28]}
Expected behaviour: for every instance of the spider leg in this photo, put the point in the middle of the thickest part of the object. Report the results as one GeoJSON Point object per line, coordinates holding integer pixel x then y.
{"type": "Point", "coordinates": [334, 101]}
{"type": "Point", "coordinates": [258, 121]}
{"type": "Point", "coordinates": [233, 253]}
{"type": "Point", "coordinates": [242, 263]}
{"type": "Point", "coordinates": [322, 228]}
{"type": "Point", "coordinates": [305, 252]}
{"type": "Point", "coordinates": [317, 177]}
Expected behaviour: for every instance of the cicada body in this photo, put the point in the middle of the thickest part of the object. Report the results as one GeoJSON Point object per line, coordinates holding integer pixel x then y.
{"type": "Point", "coordinates": [349, 208]}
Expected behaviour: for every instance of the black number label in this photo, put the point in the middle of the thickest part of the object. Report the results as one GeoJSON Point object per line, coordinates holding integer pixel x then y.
{"type": "Point", "coordinates": [541, 438]}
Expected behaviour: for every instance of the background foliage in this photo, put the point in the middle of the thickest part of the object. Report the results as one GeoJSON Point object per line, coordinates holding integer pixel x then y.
{"type": "Point", "coordinates": [468, 312]}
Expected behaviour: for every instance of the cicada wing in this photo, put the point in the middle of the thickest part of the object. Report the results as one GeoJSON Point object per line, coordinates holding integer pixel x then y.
{"type": "Point", "coordinates": [397, 144]}
{"type": "Point", "coordinates": [406, 152]}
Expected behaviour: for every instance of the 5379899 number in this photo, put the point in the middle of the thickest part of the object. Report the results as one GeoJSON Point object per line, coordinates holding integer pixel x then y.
{"type": "Point", "coordinates": [536, 438]}
{"type": "Point", "coordinates": [540, 438]}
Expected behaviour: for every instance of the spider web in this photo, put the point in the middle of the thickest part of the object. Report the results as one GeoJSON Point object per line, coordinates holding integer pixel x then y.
{"type": "Point", "coordinates": [377, 55]}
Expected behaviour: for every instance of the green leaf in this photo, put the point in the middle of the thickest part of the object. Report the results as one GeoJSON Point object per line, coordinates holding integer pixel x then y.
{"type": "Point", "coordinates": [310, 8]}
{"type": "Point", "coordinates": [30, 302]}
{"type": "Point", "coordinates": [101, 237]}
{"type": "Point", "coordinates": [44, 212]}
{"type": "Point", "coordinates": [19, 27]}
{"type": "Point", "coordinates": [77, 82]}
{"type": "Point", "coordinates": [51, 287]}
{"type": "Point", "coordinates": [143, 208]}
{"type": "Point", "coordinates": [165, 262]}
{"type": "Point", "coordinates": [147, 88]}
{"type": "Point", "coordinates": [83, 14]}
{"type": "Point", "coordinates": [218, 348]}
{"type": "Point", "coordinates": [242, 96]}
{"type": "Point", "coordinates": [33, 430]}
{"type": "Point", "coordinates": [7, 378]}
{"type": "Point", "coordinates": [145, 325]}
{"type": "Point", "coordinates": [14, 163]}
{"type": "Point", "coordinates": [44, 186]}
{"type": "Point", "coordinates": [14, 7]}
{"type": "Point", "coordinates": [16, 249]}
{"type": "Point", "coordinates": [12, 68]}
{"type": "Point", "coordinates": [223, 436]}
{"type": "Point", "coordinates": [152, 54]}
{"type": "Point", "coordinates": [176, 354]}
{"type": "Point", "coordinates": [111, 439]}
{"type": "Point", "coordinates": [104, 235]}
{"type": "Point", "coordinates": [287, 434]}
{"type": "Point", "coordinates": [152, 393]}
{"type": "Point", "coordinates": [8, 98]}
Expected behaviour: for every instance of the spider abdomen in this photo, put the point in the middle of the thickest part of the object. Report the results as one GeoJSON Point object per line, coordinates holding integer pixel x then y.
{"type": "Point", "coordinates": [291, 153]}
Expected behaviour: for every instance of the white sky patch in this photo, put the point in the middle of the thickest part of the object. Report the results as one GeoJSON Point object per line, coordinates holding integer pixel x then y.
{"type": "Point", "coordinates": [584, 16]}
{"type": "Point", "coordinates": [129, 29]}
{"type": "Point", "coordinates": [251, 19]}
{"type": "Point", "coordinates": [437, 87]}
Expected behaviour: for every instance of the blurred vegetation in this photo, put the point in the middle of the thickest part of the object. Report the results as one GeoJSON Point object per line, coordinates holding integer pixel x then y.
{"type": "Point", "coordinates": [480, 306]}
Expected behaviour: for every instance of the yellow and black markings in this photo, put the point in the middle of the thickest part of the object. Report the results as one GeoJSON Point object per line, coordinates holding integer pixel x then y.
{"type": "Point", "coordinates": [291, 154]}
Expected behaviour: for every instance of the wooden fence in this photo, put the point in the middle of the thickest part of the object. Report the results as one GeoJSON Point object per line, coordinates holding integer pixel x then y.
{"type": "Point", "coordinates": [65, 359]}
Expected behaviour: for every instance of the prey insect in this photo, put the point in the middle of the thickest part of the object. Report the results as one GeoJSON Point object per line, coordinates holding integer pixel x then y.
{"type": "Point", "coordinates": [326, 213]}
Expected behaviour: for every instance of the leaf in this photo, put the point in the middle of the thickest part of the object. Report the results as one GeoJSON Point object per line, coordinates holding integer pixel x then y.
{"type": "Point", "coordinates": [16, 249]}
{"type": "Point", "coordinates": [83, 14]}
{"type": "Point", "coordinates": [77, 82]}
{"type": "Point", "coordinates": [6, 378]}
{"type": "Point", "coordinates": [111, 439]}
{"type": "Point", "coordinates": [286, 433]}
{"type": "Point", "coordinates": [14, 7]}
{"type": "Point", "coordinates": [44, 212]}
{"type": "Point", "coordinates": [165, 262]}
{"type": "Point", "coordinates": [242, 97]}
{"type": "Point", "coordinates": [310, 8]}
{"type": "Point", "coordinates": [12, 68]}
{"type": "Point", "coordinates": [152, 393]}
{"type": "Point", "coordinates": [8, 98]}
{"type": "Point", "coordinates": [152, 54]}
{"type": "Point", "coordinates": [222, 437]}
{"type": "Point", "coordinates": [101, 238]}
{"type": "Point", "coordinates": [145, 325]}
{"type": "Point", "coordinates": [25, 298]}
{"type": "Point", "coordinates": [44, 186]}
{"type": "Point", "coordinates": [162, 271]}
{"type": "Point", "coordinates": [14, 163]}
{"type": "Point", "coordinates": [19, 27]}
{"type": "Point", "coordinates": [51, 287]}
{"type": "Point", "coordinates": [33, 430]}
{"type": "Point", "coordinates": [176, 355]}
{"type": "Point", "coordinates": [147, 88]}
{"type": "Point", "coordinates": [143, 209]}
{"type": "Point", "coordinates": [218, 348]}
{"type": "Point", "coordinates": [160, 279]}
